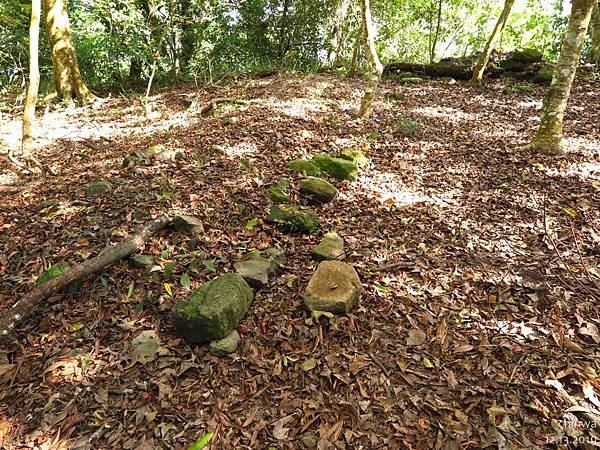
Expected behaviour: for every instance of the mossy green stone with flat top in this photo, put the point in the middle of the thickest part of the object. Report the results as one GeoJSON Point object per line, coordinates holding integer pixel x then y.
{"type": "Point", "coordinates": [317, 189]}
{"type": "Point", "coordinates": [336, 167]}
{"type": "Point", "coordinates": [302, 166]}
{"type": "Point", "coordinates": [214, 310]}
{"type": "Point", "coordinates": [292, 218]}
{"type": "Point", "coordinates": [356, 156]}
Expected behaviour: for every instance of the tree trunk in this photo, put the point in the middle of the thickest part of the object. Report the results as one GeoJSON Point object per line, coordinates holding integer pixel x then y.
{"type": "Point", "coordinates": [548, 138]}
{"type": "Point", "coordinates": [336, 38]}
{"type": "Point", "coordinates": [356, 52]}
{"type": "Point", "coordinates": [20, 309]}
{"type": "Point", "coordinates": [437, 33]}
{"type": "Point", "coordinates": [595, 25]}
{"type": "Point", "coordinates": [489, 46]}
{"type": "Point", "coordinates": [375, 67]}
{"type": "Point", "coordinates": [67, 78]}
{"type": "Point", "coordinates": [34, 77]}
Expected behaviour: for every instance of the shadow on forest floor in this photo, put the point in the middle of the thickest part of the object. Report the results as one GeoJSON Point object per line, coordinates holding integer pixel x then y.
{"type": "Point", "coordinates": [488, 255]}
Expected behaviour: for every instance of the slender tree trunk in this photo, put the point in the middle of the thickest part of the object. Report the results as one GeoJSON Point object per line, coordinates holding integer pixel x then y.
{"type": "Point", "coordinates": [375, 67]}
{"type": "Point", "coordinates": [595, 25]}
{"type": "Point", "coordinates": [484, 57]}
{"type": "Point", "coordinates": [34, 77]}
{"type": "Point", "coordinates": [437, 33]}
{"type": "Point", "coordinates": [67, 78]}
{"type": "Point", "coordinates": [356, 52]}
{"type": "Point", "coordinates": [548, 139]}
{"type": "Point", "coordinates": [341, 11]}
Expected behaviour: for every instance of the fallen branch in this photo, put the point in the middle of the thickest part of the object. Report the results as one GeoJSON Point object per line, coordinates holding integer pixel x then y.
{"type": "Point", "coordinates": [109, 255]}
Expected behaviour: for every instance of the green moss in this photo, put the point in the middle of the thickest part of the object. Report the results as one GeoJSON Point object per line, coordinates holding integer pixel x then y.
{"type": "Point", "coordinates": [336, 167]}
{"type": "Point", "coordinates": [53, 272]}
{"type": "Point", "coordinates": [356, 156]}
{"type": "Point", "coordinates": [97, 188]}
{"type": "Point", "coordinates": [304, 167]}
{"type": "Point", "coordinates": [213, 311]}
{"type": "Point", "coordinates": [293, 218]}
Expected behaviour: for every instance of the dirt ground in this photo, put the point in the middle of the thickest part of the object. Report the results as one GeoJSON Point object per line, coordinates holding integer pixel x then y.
{"type": "Point", "coordinates": [478, 326]}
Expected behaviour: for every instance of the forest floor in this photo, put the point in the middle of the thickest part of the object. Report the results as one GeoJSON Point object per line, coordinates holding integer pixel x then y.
{"type": "Point", "coordinates": [478, 325]}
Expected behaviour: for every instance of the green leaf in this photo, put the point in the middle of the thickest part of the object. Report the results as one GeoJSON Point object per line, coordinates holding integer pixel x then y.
{"type": "Point", "coordinates": [251, 224]}
{"type": "Point", "coordinates": [185, 280]}
{"type": "Point", "coordinates": [169, 269]}
{"type": "Point", "coordinates": [210, 264]}
{"type": "Point", "coordinates": [168, 288]}
{"type": "Point", "coordinates": [165, 254]}
{"type": "Point", "coordinates": [202, 442]}
{"type": "Point", "coordinates": [380, 288]}
{"type": "Point", "coordinates": [309, 364]}
{"type": "Point", "coordinates": [130, 290]}
{"type": "Point", "coordinates": [76, 326]}
{"type": "Point", "coordinates": [104, 283]}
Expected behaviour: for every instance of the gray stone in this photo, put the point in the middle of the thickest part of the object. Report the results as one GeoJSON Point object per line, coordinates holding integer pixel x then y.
{"type": "Point", "coordinates": [330, 247]}
{"type": "Point", "coordinates": [226, 345]}
{"type": "Point", "coordinates": [317, 189]}
{"type": "Point", "coordinates": [335, 287]}
{"type": "Point", "coordinates": [142, 261]}
{"type": "Point", "coordinates": [98, 188]}
{"type": "Point", "coordinates": [256, 268]}
{"type": "Point", "coordinates": [336, 167]}
{"type": "Point", "coordinates": [188, 224]}
{"type": "Point", "coordinates": [292, 218]}
{"type": "Point", "coordinates": [214, 310]}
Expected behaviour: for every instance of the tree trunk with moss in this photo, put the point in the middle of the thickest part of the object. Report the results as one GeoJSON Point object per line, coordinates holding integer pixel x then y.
{"type": "Point", "coordinates": [68, 82]}
{"type": "Point", "coordinates": [548, 138]}
{"type": "Point", "coordinates": [490, 44]}
{"type": "Point", "coordinates": [34, 77]}
{"type": "Point", "coordinates": [595, 38]}
{"type": "Point", "coordinates": [375, 67]}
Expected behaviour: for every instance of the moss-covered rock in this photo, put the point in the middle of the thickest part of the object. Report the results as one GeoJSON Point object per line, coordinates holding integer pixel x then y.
{"type": "Point", "coordinates": [292, 218]}
{"type": "Point", "coordinates": [187, 224]}
{"type": "Point", "coordinates": [317, 189]}
{"type": "Point", "coordinates": [304, 167]}
{"type": "Point", "coordinates": [279, 192]}
{"type": "Point", "coordinates": [336, 167]}
{"type": "Point", "coordinates": [355, 155]}
{"type": "Point", "coordinates": [544, 75]}
{"type": "Point", "coordinates": [213, 311]}
{"type": "Point", "coordinates": [98, 188]}
{"type": "Point", "coordinates": [527, 55]}
{"type": "Point", "coordinates": [410, 80]}
{"type": "Point", "coordinates": [524, 88]}
{"type": "Point", "coordinates": [330, 247]}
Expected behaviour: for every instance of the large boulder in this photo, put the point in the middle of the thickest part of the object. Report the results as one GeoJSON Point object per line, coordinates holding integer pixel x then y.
{"type": "Point", "coordinates": [527, 55]}
{"type": "Point", "coordinates": [336, 167]}
{"type": "Point", "coordinates": [317, 189]}
{"type": "Point", "coordinates": [292, 218]}
{"type": "Point", "coordinates": [214, 310]}
{"type": "Point", "coordinates": [304, 167]}
{"type": "Point", "coordinates": [256, 269]}
{"type": "Point", "coordinates": [335, 287]}
{"type": "Point", "coordinates": [330, 247]}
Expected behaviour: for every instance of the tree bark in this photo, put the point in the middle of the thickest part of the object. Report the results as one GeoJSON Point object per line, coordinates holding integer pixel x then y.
{"type": "Point", "coordinates": [68, 81]}
{"type": "Point", "coordinates": [375, 67]}
{"type": "Point", "coordinates": [336, 38]}
{"type": "Point", "coordinates": [548, 138]}
{"type": "Point", "coordinates": [491, 43]}
{"type": "Point", "coordinates": [437, 33]}
{"type": "Point", "coordinates": [34, 77]}
{"type": "Point", "coordinates": [29, 302]}
{"type": "Point", "coordinates": [595, 25]}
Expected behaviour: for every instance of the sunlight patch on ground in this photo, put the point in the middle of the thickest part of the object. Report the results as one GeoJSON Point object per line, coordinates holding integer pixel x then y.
{"type": "Point", "coordinates": [298, 108]}
{"type": "Point", "coordinates": [390, 190]}
{"type": "Point", "coordinates": [452, 114]}
{"type": "Point", "coordinates": [240, 149]}
{"type": "Point", "coordinates": [535, 104]}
